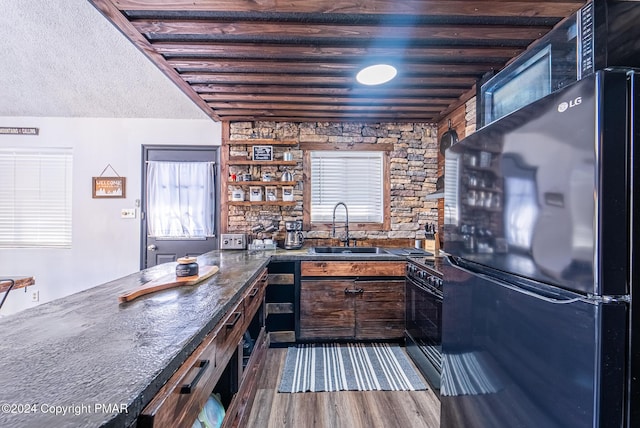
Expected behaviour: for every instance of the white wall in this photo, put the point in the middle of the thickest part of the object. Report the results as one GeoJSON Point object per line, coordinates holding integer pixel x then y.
{"type": "Point", "coordinates": [105, 246]}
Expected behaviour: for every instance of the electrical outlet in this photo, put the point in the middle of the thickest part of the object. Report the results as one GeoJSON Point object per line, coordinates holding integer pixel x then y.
{"type": "Point", "coordinates": [128, 213]}
{"type": "Point", "coordinates": [35, 296]}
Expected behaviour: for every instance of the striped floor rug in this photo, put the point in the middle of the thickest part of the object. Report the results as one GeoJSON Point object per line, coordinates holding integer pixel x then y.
{"type": "Point", "coordinates": [348, 367]}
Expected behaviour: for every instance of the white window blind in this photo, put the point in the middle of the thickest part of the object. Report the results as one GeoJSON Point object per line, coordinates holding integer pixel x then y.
{"type": "Point", "coordinates": [354, 178]}
{"type": "Point", "coordinates": [35, 198]}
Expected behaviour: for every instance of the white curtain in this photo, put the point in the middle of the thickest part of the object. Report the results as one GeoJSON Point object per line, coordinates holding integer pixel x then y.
{"type": "Point", "coordinates": [180, 199]}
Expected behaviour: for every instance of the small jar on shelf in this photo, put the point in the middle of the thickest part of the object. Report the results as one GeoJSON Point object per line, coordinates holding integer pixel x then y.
{"type": "Point", "coordinates": [255, 193]}
{"type": "Point", "coordinates": [237, 195]}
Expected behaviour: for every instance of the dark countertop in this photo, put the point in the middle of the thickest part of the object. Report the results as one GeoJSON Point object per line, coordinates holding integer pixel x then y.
{"type": "Point", "coordinates": [87, 349]}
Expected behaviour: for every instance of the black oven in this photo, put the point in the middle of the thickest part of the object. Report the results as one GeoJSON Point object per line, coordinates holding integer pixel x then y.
{"type": "Point", "coordinates": [424, 318]}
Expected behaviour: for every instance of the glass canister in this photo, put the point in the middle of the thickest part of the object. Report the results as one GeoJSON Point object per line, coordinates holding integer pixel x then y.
{"type": "Point", "coordinates": [472, 197]}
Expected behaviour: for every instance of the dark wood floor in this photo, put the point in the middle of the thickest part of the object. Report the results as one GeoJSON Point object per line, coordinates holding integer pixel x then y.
{"type": "Point", "coordinates": [348, 409]}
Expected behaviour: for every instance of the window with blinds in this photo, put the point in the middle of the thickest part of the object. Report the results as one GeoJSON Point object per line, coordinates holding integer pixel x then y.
{"type": "Point", "coordinates": [35, 198]}
{"type": "Point", "coordinates": [355, 178]}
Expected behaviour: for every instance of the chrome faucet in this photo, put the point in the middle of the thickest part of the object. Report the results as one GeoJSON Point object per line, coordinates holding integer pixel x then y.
{"type": "Point", "coordinates": [346, 225]}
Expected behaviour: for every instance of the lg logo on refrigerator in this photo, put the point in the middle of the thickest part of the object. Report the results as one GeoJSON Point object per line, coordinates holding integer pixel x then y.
{"type": "Point", "coordinates": [562, 107]}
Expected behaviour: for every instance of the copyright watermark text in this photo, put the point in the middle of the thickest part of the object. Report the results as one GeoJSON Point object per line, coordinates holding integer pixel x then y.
{"type": "Point", "coordinates": [67, 409]}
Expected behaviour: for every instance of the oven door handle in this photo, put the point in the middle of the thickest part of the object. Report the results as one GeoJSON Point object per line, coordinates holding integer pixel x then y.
{"type": "Point", "coordinates": [426, 287]}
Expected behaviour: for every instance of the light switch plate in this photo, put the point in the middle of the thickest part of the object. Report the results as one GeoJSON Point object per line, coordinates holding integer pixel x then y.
{"type": "Point", "coordinates": [128, 213]}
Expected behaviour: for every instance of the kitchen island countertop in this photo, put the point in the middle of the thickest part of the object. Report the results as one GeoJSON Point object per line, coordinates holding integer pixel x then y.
{"type": "Point", "coordinates": [86, 361]}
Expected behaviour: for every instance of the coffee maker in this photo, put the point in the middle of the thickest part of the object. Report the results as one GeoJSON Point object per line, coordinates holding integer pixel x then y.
{"type": "Point", "coordinates": [293, 239]}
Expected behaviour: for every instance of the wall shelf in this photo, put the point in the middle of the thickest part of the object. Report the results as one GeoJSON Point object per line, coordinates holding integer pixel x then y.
{"type": "Point", "coordinates": [262, 183]}
{"type": "Point", "coordinates": [275, 203]}
{"type": "Point", "coordinates": [234, 160]}
{"type": "Point", "coordinates": [258, 142]}
{"type": "Point", "coordinates": [262, 163]}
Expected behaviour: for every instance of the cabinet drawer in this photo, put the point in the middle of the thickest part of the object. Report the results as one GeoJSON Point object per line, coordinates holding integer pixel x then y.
{"type": "Point", "coordinates": [364, 268]}
{"type": "Point", "coordinates": [254, 296]}
{"type": "Point", "coordinates": [177, 405]}
{"type": "Point", "coordinates": [230, 333]}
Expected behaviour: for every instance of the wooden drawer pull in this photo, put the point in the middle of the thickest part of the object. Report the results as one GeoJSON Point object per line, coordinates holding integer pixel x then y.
{"type": "Point", "coordinates": [236, 317]}
{"type": "Point", "coordinates": [254, 292]}
{"type": "Point", "coordinates": [187, 388]}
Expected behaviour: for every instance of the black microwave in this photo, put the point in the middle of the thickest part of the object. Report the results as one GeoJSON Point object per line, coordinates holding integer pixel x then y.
{"type": "Point", "coordinates": [602, 34]}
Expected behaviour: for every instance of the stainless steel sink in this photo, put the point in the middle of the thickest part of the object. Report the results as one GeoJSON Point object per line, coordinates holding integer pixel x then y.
{"type": "Point", "coordinates": [347, 250]}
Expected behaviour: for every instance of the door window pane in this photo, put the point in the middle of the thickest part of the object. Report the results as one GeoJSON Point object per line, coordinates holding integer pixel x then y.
{"type": "Point", "coordinates": [180, 199]}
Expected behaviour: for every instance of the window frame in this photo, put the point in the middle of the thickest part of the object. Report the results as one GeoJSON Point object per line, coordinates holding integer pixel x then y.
{"type": "Point", "coordinates": [37, 155]}
{"type": "Point", "coordinates": [307, 148]}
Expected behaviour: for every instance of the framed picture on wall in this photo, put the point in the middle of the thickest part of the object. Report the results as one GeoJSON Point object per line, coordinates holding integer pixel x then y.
{"type": "Point", "coordinates": [109, 187]}
{"type": "Point", "coordinates": [263, 153]}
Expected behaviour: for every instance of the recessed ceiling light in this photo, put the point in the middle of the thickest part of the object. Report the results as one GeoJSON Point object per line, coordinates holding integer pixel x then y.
{"type": "Point", "coordinates": [376, 74]}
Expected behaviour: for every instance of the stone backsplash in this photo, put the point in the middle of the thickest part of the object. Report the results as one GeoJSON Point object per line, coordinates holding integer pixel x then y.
{"type": "Point", "coordinates": [413, 173]}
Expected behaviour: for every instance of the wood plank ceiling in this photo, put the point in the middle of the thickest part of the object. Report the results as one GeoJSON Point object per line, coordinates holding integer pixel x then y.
{"type": "Point", "coordinates": [287, 60]}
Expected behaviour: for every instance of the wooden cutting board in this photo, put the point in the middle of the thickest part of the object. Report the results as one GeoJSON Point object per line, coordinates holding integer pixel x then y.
{"type": "Point", "coordinates": [169, 281]}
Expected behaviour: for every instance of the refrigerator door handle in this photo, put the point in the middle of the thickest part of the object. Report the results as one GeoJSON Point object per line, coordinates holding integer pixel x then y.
{"type": "Point", "coordinates": [521, 290]}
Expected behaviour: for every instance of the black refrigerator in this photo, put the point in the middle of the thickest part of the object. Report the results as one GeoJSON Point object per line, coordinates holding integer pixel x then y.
{"type": "Point", "coordinates": [542, 231]}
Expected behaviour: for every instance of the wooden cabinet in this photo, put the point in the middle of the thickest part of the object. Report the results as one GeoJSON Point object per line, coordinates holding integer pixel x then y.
{"type": "Point", "coordinates": [351, 300]}
{"type": "Point", "coordinates": [379, 309]}
{"type": "Point", "coordinates": [326, 311]}
{"type": "Point", "coordinates": [280, 302]}
{"type": "Point", "coordinates": [179, 401]}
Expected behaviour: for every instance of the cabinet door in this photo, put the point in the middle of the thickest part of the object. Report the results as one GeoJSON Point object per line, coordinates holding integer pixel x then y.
{"type": "Point", "coordinates": [326, 312]}
{"type": "Point", "coordinates": [379, 309]}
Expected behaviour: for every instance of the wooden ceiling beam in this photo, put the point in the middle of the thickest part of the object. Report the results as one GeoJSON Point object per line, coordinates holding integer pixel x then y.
{"type": "Point", "coordinates": [284, 105]}
{"type": "Point", "coordinates": [302, 53]}
{"type": "Point", "coordinates": [405, 7]}
{"type": "Point", "coordinates": [292, 66]}
{"type": "Point", "coordinates": [317, 79]}
{"type": "Point", "coordinates": [350, 33]}
{"type": "Point", "coordinates": [343, 118]}
{"type": "Point", "coordinates": [318, 100]}
{"type": "Point", "coordinates": [324, 90]}
{"type": "Point", "coordinates": [301, 115]}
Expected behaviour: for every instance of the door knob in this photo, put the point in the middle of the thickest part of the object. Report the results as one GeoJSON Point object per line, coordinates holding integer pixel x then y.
{"type": "Point", "coordinates": [151, 247]}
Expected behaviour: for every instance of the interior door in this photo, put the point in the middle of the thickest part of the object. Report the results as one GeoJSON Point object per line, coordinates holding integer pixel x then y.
{"type": "Point", "coordinates": [181, 202]}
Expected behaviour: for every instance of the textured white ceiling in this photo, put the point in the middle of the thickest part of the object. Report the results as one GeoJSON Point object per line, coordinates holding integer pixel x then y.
{"type": "Point", "coordinates": [62, 58]}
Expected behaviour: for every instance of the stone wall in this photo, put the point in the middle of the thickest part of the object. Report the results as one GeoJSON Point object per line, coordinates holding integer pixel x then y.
{"type": "Point", "coordinates": [413, 172]}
